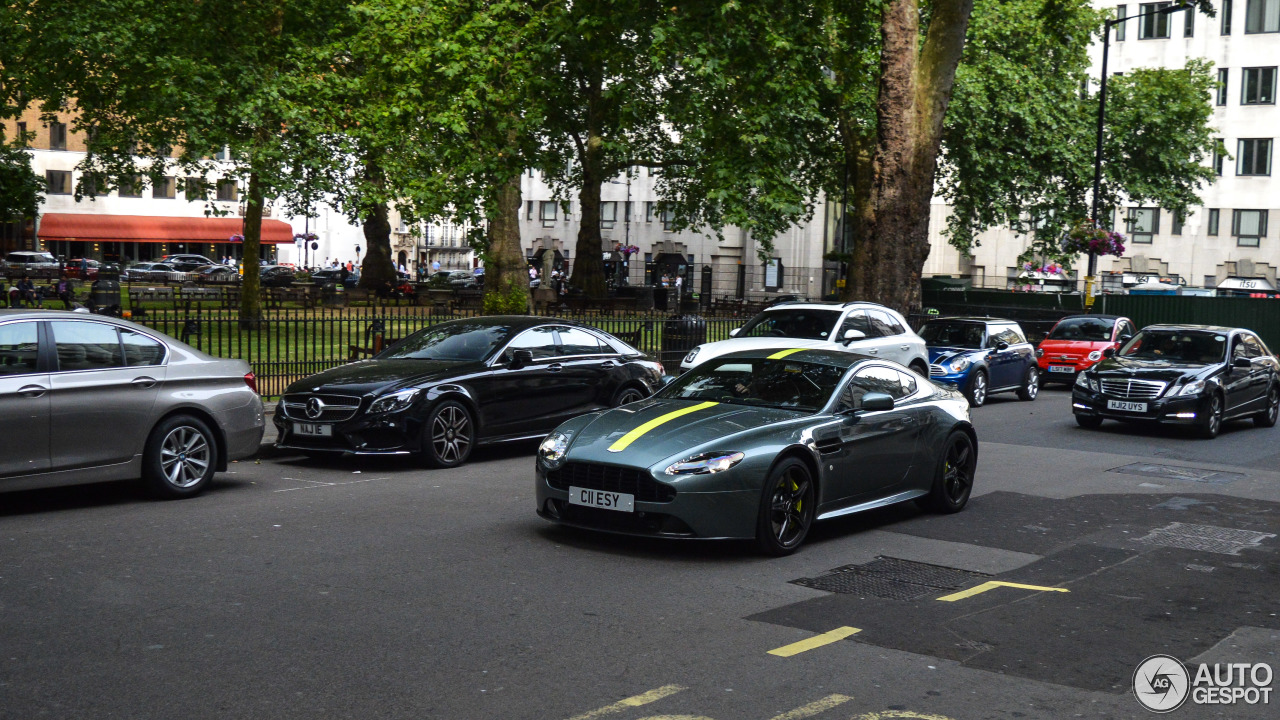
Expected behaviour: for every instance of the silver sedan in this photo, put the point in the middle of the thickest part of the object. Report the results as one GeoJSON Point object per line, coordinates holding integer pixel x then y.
{"type": "Point", "coordinates": [86, 398]}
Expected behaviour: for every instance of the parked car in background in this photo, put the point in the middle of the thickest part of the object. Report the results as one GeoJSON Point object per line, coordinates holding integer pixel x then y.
{"type": "Point", "coordinates": [332, 276]}
{"type": "Point", "coordinates": [275, 276]}
{"type": "Point", "coordinates": [33, 264]}
{"type": "Point", "coordinates": [462, 279]}
{"type": "Point", "coordinates": [1077, 342]}
{"type": "Point", "coordinates": [756, 445]}
{"type": "Point", "coordinates": [216, 274]}
{"type": "Point", "coordinates": [1197, 375]}
{"type": "Point", "coordinates": [860, 327]}
{"type": "Point", "coordinates": [186, 262]}
{"type": "Point", "coordinates": [71, 269]}
{"type": "Point", "coordinates": [982, 356]}
{"type": "Point", "coordinates": [154, 272]}
{"type": "Point", "coordinates": [88, 398]}
{"type": "Point", "coordinates": [443, 390]}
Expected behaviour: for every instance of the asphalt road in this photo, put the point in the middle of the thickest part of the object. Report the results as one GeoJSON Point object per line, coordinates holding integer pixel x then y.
{"type": "Point", "coordinates": [375, 589]}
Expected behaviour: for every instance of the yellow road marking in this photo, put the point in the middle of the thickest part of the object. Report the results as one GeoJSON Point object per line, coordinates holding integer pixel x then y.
{"type": "Point", "coordinates": [783, 353]}
{"type": "Point", "coordinates": [993, 584]}
{"type": "Point", "coordinates": [634, 435]}
{"type": "Point", "coordinates": [816, 641]}
{"type": "Point", "coordinates": [814, 708]}
{"type": "Point", "coordinates": [643, 698]}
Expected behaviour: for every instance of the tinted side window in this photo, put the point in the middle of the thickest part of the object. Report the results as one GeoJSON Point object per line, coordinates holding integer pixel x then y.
{"type": "Point", "coordinates": [86, 346]}
{"type": "Point", "coordinates": [1006, 333]}
{"type": "Point", "coordinates": [140, 349]}
{"type": "Point", "coordinates": [882, 380]}
{"type": "Point", "coordinates": [908, 383]}
{"type": "Point", "coordinates": [883, 324]}
{"type": "Point", "coordinates": [540, 341]}
{"type": "Point", "coordinates": [579, 342]}
{"type": "Point", "coordinates": [1124, 328]}
{"type": "Point", "coordinates": [18, 348]}
{"type": "Point", "coordinates": [856, 320]}
{"type": "Point", "coordinates": [1250, 345]}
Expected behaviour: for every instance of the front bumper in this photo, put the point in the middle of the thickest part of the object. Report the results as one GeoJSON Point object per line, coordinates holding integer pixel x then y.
{"type": "Point", "coordinates": [389, 434]}
{"type": "Point", "coordinates": [1166, 410]}
{"type": "Point", "coordinates": [719, 515]}
{"type": "Point", "coordinates": [1078, 365]}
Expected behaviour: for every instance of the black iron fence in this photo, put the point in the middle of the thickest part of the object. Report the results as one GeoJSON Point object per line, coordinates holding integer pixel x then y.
{"type": "Point", "coordinates": [291, 343]}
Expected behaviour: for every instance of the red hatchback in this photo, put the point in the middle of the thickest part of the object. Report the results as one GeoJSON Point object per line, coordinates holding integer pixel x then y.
{"type": "Point", "coordinates": [1077, 342]}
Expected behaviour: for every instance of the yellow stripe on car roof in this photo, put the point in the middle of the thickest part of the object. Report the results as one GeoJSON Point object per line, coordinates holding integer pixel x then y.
{"type": "Point", "coordinates": [783, 353]}
{"type": "Point", "coordinates": [634, 435]}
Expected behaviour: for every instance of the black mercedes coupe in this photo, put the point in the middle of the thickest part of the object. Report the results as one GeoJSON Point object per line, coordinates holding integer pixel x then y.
{"type": "Point", "coordinates": [441, 391]}
{"type": "Point", "coordinates": [1197, 375]}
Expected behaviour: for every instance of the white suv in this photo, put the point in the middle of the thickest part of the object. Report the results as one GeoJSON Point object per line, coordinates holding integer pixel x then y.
{"type": "Point", "coordinates": [861, 327]}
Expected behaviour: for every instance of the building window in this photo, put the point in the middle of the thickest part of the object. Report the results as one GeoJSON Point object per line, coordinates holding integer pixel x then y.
{"type": "Point", "coordinates": [131, 186]}
{"type": "Point", "coordinates": [227, 191]}
{"type": "Point", "coordinates": [1249, 226]}
{"type": "Point", "coordinates": [1262, 16]}
{"type": "Point", "coordinates": [668, 220]}
{"type": "Point", "coordinates": [650, 208]}
{"type": "Point", "coordinates": [608, 214]}
{"type": "Point", "coordinates": [1177, 224]}
{"type": "Point", "coordinates": [1258, 86]}
{"type": "Point", "coordinates": [1226, 17]}
{"type": "Point", "coordinates": [1122, 12]}
{"type": "Point", "coordinates": [165, 188]}
{"type": "Point", "coordinates": [528, 210]}
{"type": "Point", "coordinates": [626, 211]}
{"type": "Point", "coordinates": [1213, 222]}
{"type": "Point", "coordinates": [1144, 224]}
{"type": "Point", "coordinates": [1210, 281]}
{"type": "Point", "coordinates": [1153, 25]}
{"type": "Point", "coordinates": [1222, 86]}
{"type": "Point", "coordinates": [21, 137]}
{"type": "Point", "coordinates": [1189, 22]}
{"type": "Point", "coordinates": [547, 213]}
{"type": "Point", "coordinates": [57, 136]}
{"type": "Point", "coordinates": [223, 154]}
{"type": "Point", "coordinates": [1219, 155]}
{"type": "Point", "coordinates": [1254, 156]}
{"type": "Point", "coordinates": [193, 188]}
{"type": "Point", "coordinates": [57, 182]}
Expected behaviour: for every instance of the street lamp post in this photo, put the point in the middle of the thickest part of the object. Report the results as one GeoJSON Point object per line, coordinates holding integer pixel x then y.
{"type": "Point", "coordinates": [1102, 110]}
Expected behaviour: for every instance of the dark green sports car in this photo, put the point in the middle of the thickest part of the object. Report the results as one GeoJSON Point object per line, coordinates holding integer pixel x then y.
{"type": "Point", "coordinates": [760, 444]}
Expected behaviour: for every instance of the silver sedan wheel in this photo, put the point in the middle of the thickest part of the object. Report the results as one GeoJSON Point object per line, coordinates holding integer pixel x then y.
{"type": "Point", "coordinates": [184, 456]}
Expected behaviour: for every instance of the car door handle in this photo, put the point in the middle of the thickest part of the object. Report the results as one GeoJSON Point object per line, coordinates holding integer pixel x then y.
{"type": "Point", "coordinates": [32, 391]}
{"type": "Point", "coordinates": [144, 382]}
{"type": "Point", "coordinates": [608, 364]}
{"type": "Point", "coordinates": [872, 351]}
{"type": "Point", "coordinates": [905, 347]}
{"type": "Point", "coordinates": [555, 367]}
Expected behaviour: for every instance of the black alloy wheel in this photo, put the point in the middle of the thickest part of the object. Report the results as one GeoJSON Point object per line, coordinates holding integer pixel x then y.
{"type": "Point", "coordinates": [180, 457]}
{"type": "Point", "coordinates": [787, 508]}
{"type": "Point", "coordinates": [953, 482]}
{"type": "Point", "coordinates": [1030, 384]}
{"type": "Point", "coordinates": [1212, 423]}
{"type": "Point", "coordinates": [628, 395]}
{"type": "Point", "coordinates": [449, 435]}
{"type": "Point", "coordinates": [1267, 418]}
{"type": "Point", "coordinates": [977, 390]}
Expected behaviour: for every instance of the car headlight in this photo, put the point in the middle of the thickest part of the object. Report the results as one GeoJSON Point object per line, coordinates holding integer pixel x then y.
{"type": "Point", "coordinates": [394, 402]}
{"type": "Point", "coordinates": [706, 463]}
{"type": "Point", "coordinates": [1084, 381]}
{"type": "Point", "coordinates": [688, 359]}
{"type": "Point", "coordinates": [1095, 356]}
{"type": "Point", "coordinates": [553, 449]}
{"type": "Point", "coordinates": [1039, 353]}
{"type": "Point", "coordinates": [1192, 388]}
{"type": "Point", "coordinates": [960, 364]}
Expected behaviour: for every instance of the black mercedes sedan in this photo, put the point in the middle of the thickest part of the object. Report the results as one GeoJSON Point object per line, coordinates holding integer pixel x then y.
{"type": "Point", "coordinates": [441, 391]}
{"type": "Point", "coordinates": [1197, 375]}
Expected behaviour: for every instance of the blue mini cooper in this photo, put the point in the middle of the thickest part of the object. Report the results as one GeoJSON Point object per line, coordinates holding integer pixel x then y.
{"type": "Point", "coordinates": [982, 356]}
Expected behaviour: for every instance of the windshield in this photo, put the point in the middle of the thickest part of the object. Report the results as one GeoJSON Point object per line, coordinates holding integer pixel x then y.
{"type": "Point", "coordinates": [1083, 329]}
{"type": "Point", "coordinates": [1182, 346]}
{"type": "Point", "coordinates": [798, 323]}
{"type": "Point", "coordinates": [461, 340]}
{"type": "Point", "coordinates": [952, 334]}
{"type": "Point", "coordinates": [783, 384]}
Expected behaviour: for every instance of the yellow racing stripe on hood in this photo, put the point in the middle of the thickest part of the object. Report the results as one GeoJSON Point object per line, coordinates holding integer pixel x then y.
{"type": "Point", "coordinates": [636, 434]}
{"type": "Point", "coordinates": [783, 353]}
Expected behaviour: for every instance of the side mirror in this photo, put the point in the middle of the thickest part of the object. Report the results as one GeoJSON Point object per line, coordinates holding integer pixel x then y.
{"type": "Point", "coordinates": [667, 380]}
{"type": "Point", "coordinates": [872, 402]}
{"type": "Point", "coordinates": [734, 332]}
{"type": "Point", "coordinates": [1242, 363]}
{"type": "Point", "coordinates": [520, 358]}
{"type": "Point", "coordinates": [1001, 346]}
{"type": "Point", "coordinates": [1124, 339]}
{"type": "Point", "coordinates": [850, 335]}
{"type": "Point", "coordinates": [1109, 352]}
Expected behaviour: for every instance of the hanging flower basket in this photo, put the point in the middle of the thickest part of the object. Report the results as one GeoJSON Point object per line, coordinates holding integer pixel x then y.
{"type": "Point", "coordinates": [308, 237]}
{"type": "Point", "coordinates": [237, 238]}
{"type": "Point", "coordinates": [1046, 269]}
{"type": "Point", "coordinates": [1085, 238]}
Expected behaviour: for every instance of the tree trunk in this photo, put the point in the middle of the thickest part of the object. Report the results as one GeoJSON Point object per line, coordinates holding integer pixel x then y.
{"type": "Point", "coordinates": [915, 88]}
{"type": "Point", "coordinates": [506, 272]}
{"type": "Point", "coordinates": [588, 263]}
{"type": "Point", "coordinates": [250, 288]}
{"type": "Point", "coordinates": [377, 270]}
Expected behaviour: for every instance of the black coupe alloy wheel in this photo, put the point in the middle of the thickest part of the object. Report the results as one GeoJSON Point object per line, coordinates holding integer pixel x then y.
{"type": "Point", "coordinates": [954, 480]}
{"type": "Point", "coordinates": [627, 396]}
{"type": "Point", "coordinates": [786, 509]}
{"type": "Point", "coordinates": [1267, 418]}
{"type": "Point", "coordinates": [1212, 424]}
{"type": "Point", "coordinates": [450, 436]}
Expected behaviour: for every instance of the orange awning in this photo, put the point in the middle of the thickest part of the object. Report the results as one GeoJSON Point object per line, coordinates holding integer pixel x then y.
{"type": "Point", "coordinates": [152, 229]}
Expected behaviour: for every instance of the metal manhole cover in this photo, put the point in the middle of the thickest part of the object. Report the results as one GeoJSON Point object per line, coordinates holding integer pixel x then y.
{"type": "Point", "coordinates": [891, 579]}
{"type": "Point", "coordinates": [1209, 538]}
{"type": "Point", "coordinates": [1175, 472]}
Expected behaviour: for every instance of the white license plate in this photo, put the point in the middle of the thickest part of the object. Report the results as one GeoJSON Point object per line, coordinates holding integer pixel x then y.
{"type": "Point", "coordinates": [1126, 406]}
{"type": "Point", "coordinates": [313, 429]}
{"type": "Point", "coordinates": [1062, 368]}
{"type": "Point", "coordinates": [602, 499]}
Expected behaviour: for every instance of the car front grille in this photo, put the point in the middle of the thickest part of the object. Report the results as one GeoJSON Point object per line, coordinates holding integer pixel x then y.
{"type": "Point", "coordinates": [592, 476]}
{"type": "Point", "coordinates": [1133, 389]}
{"type": "Point", "coordinates": [337, 408]}
{"type": "Point", "coordinates": [936, 371]}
